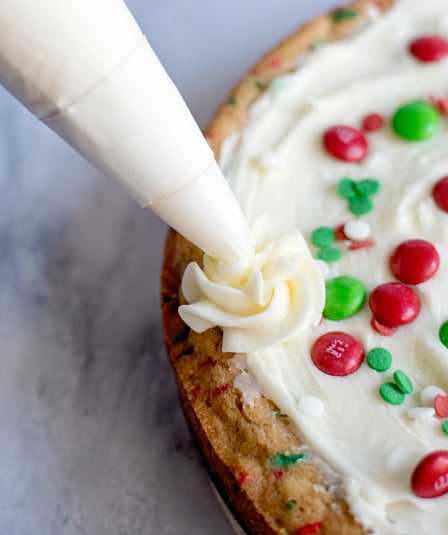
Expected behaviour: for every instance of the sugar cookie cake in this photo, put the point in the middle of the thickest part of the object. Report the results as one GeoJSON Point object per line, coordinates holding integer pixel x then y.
{"type": "Point", "coordinates": [342, 132]}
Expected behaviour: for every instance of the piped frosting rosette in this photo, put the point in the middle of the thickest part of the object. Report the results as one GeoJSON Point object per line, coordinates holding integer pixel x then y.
{"type": "Point", "coordinates": [274, 296]}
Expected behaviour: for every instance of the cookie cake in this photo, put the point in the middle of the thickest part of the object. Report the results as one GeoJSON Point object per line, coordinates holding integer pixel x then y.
{"type": "Point", "coordinates": [341, 425]}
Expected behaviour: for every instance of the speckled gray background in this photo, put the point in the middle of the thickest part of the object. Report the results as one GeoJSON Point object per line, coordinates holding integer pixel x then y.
{"type": "Point", "coordinates": [92, 437]}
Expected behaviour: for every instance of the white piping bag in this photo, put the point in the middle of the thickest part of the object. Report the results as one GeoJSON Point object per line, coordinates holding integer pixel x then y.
{"type": "Point", "coordinates": [85, 69]}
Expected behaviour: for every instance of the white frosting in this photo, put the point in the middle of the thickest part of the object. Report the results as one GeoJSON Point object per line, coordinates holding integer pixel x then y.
{"type": "Point", "coordinates": [85, 69]}
{"type": "Point", "coordinates": [276, 295]}
{"type": "Point", "coordinates": [278, 166]}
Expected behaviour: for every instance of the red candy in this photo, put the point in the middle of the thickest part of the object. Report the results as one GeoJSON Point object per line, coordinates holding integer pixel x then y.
{"type": "Point", "coordinates": [429, 48]}
{"type": "Point", "coordinates": [372, 122]}
{"type": "Point", "coordinates": [337, 353]}
{"type": "Point", "coordinates": [414, 261]}
{"type": "Point", "coordinates": [440, 193]}
{"type": "Point", "coordinates": [430, 478]}
{"type": "Point", "coordinates": [394, 304]}
{"type": "Point", "coordinates": [345, 143]}
{"type": "Point", "coordinates": [382, 329]}
{"type": "Point", "coordinates": [441, 406]}
{"type": "Point", "coordinates": [362, 244]}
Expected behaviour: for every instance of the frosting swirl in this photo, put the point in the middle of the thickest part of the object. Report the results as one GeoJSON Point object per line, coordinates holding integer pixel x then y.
{"type": "Point", "coordinates": [277, 294]}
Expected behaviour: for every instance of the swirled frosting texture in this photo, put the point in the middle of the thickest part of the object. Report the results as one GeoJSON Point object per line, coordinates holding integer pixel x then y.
{"type": "Point", "coordinates": [276, 295]}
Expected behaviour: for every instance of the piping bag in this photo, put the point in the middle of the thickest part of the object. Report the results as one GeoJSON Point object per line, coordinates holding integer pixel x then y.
{"type": "Point", "coordinates": [84, 68]}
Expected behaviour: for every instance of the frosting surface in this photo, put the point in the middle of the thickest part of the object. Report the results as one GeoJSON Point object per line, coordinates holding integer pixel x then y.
{"type": "Point", "coordinates": [278, 166]}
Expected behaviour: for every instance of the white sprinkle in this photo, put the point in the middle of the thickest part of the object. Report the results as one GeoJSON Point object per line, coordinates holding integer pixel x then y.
{"type": "Point", "coordinates": [421, 413]}
{"type": "Point", "coordinates": [311, 406]}
{"type": "Point", "coordinates": [357, 230]}
{"type": "Point", "coordinates": [428, 395]}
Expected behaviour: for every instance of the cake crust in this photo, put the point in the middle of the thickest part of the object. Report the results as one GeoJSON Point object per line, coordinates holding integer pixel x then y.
{"type": "Point", "coordinates": [248, 447]}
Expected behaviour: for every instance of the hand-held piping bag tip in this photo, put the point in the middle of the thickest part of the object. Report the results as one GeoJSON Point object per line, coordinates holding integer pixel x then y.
{"type": "Point", "coordinates": [97, 83]}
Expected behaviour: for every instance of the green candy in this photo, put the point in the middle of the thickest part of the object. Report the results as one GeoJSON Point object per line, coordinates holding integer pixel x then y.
{"type": "Point", "coordinates": [323, 237]}
{"type": "Point", "coordinates": [379, 359]}
{"type": "Point", "coordinates": [416, 121]}
{"type": "Point", "coordinates": [443, 334]}
{"type": "Point", "coordinates": [360, 205]}
{"type": "Point", "coordinates": [391, 393]}
{"type": "Point", "coordinates": [367, 187]}
{"type": "Point", "coordinates": [347, 188]}
{"type": "Point", "coordinates": [329, 254]}
{"type": "Point", "coordinates": [445, 427]}
{"type": "Point", "coordinates": [403, 382]}
{"type": "Point", "coordinates": [344, 297]}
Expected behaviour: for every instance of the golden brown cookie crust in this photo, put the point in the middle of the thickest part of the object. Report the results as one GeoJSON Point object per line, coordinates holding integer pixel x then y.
{"type": "Point", "coordinates": [240, 443]}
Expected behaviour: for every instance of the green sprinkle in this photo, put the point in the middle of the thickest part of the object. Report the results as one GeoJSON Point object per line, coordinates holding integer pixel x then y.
{"type": "Point", "coordinates": [443, 334]}
{"type": "Point", "coordinates": [379, 359]}
{"type": "Point", "coordinates": [232, 101]}
{"type": "Point", "coordinates": [347, 188]}
{"type": "Point", "coordinates": [315, 43]}
{"type": "Point", "coordinates": [445, 427]}
{"type": "Point", "coordinates": [260, 85]}
{"type": "Point", "coordinates": [280, 460]}
{"type": "Point", "coordinates": [323, 237]}
{"type": "Point", "coordinates": [290, 504]}
{"type": "Point", "coordinates": [342, 14]}
{"type": "Point", "coordinates": [403, 382]}
{"type": "Point", "coordinates": [279, 414]}
{"type": "Point", "coordinates": [360, 205]}
{"type": "Point", "coordinates": [367, 187]}
{"type": "Point", "coordinates": [329, 254]}
{"type": "Point", "coordinates": [391, 393]}
{"type": "Point", "coordinates": [188, 351]}
{"type": "Point", "coordinates": [180, 337]}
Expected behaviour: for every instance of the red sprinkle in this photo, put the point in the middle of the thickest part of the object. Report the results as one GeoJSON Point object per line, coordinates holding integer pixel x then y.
{"type": "Point", "coordinates": [414, 261]}
{"type": "Point", "coordinates": [441, 406]}
{"type": "Point", "coordinates": [209, 362]}
{"type": "Point", "coordinates": [382, 329]}
{"type": "Point", "coordinates": [337, 353]}
{"type": "Point", "coordinates": [345, 143]}
{"type": "Point", "coordinates": [440, 103]}
{"type": "Point", "coordinates": [218, 390]}
{"type": "Point", "coordinates": [339, 232]}
{"type": "Point", "coordinates": [244, 477]}
{"type": "Point", "coordinates": [440, 193]}
{"type": "Point", "coordinates": [372, 122]}
{"type": "Point", "coordinates": [394, 304]}
{"type": "Point", "coordinates": [430, 478]}
{"type": "Point", "coordinates": [278, 474]}
{"type": "Point", "coordinates": [429, 48]}
{"type": "Point", "coordinates": [275, 63]}
{"type": "Point", "coordinates": [195, 392]}
{"type": "Point", "coordinates": [309, 529]}
{"type": "Point", "coordinates": [355, 245]}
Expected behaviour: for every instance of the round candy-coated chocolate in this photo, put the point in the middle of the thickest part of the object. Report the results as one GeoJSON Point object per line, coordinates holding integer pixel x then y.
{"type": "Point", "coordinates": [429, 48]}
{"type": "Point", "coordinates": [394, 304]}
{"type": "Point", "coordinates": [416, 121]}
{"type": "Point", "coordinates": [443, 334]}
{"type": "Point", "coordinates": [337, 353]}
{"type": "Point", "coordinates": [344, 297]}
{"type": "Point", "coordinates": [440, 193]}
{"type": "Point", "coordinates": [414, 261]}
{"type": "Point", "coordinates": [345, 143]}
{"type": "Point", "coordinates": [430, 478]}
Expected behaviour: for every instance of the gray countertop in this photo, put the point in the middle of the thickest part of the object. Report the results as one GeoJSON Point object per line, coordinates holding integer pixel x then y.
{"type": "Point", "coordinates": [92, 435]}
